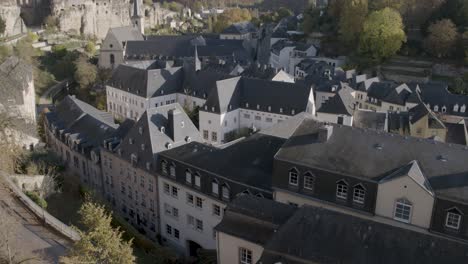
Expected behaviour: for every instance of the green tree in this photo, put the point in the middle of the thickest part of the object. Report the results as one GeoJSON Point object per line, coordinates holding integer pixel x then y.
{"type": "Point", "coordinates": [148, 2]}
{"type": "Point", "coordinates": [86, 73]}
{"type": "Point", "coordinates": [442, 38]}
{"type": "Point", "coordinates": [90, 48]}
{"type": "Point", "coordinates": [230, 17]}
{"type": "Point", "coordinates": [99, 243]}
{"type": "Point", "coordinates": [382, 35]}
{"type": "Point", "coordinates": [352, 18]}
{"type": "Point", "coordinates": [2, 26]}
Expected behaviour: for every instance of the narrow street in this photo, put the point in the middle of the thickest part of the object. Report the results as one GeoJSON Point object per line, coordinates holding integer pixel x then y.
{"type": "Point", "coordinates": [30, 239]}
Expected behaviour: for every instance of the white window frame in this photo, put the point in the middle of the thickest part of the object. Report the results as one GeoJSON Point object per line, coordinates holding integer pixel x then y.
{"type": "Point", "coordinates": [359, 194]}
{"type": "Point", "coordinates": [448, 220]}
{"type": "Point", "coordinates": [245, 256]}
{"type": "Point", "coordinates": [294, 173]}
{"type": "Point", "coordinates": [197, 180]}
{"type": "Point", "coordinates": [404, 204]}
{"type": "Point", "coordinates": [309, 181]}
{"type": "Point", "coordinates": [188, 176]}
{"type": "Point", "coordinates": [215, 187]}
{"type": "Point", "coordinates": [342, 190]}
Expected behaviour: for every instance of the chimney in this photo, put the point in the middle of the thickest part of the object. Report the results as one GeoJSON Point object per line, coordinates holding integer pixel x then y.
{"type": "Point", "coordinates": [176, 125]}
{"type": "Point", "coordinates": [324, 133]}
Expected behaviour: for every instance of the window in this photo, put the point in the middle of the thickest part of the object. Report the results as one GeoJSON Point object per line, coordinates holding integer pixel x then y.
{"type": "Point", "coordinates": [175, 212]}
{"type": "Point", "coordinates": [190, 199]}
{"type": "Point", "coordinates": [269, 119]}
{"type": "Point", "coordinates": [342, 190]}
{"type": "Point", "coordinates": [197, 180]}
{"type": "Point", "coordinates": [214, 187]}
{"type": "Point", "coordinates": [205, 134]}
{"type": "Point", "coordinates": [199, 225]}
{"type": "Point", "coordinates": [169, 229]}
{"type": "Point", "coordinates": [359, 194]}
{"type": "Point", "coordinates": [225, 192]}
{"type": "Point", "coordinates": [174, 191]}
{"type": "Point", "coordinates": [172, 170]}
{"type": "Point", "coordinates": [403, 211]}
{"type": "Point", "coordinates": [188, 176]}
{"type": "Point", "coordinates": [246, 116]}
{"type": "Point", "coordinates": [190, 220]}
{"type": "Point", "coordinates": [245, 256]}
{"type": "Point", "coordinates": [455, 108]}
{"type": "Point", "coordinates": [293, 177]}
{"type": "Point", "coordinates": [164, 166]}
{"type": "Point", "coordinates": [112, 58]}
{"type": "Point", "coordinates": [214, 136]}
{"type": "Point", "coordinates": [176, 234]}
{"type": "Point", "coordinates": [199, 203]}
{"type": "Point", "coordinates": [258, 118]}
{"type": "Point", "coordinates": [453, 219]}
{"type": "Point", "coordinates": [166, 188]}
{"type": "Point", "coordinates": [309, 181]}
{"type": "Point", "coordinates": [216, 210]}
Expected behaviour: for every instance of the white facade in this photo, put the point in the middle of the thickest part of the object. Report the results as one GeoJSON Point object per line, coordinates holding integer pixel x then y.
{"type": "Point", "coordinates": [281, 61]}
{"type": "Point", "coordinates": [335, 118]}
{"type": "Point", "coordinates": [187, 216]}
{"type": "Point", "coordinates": [229, 248]}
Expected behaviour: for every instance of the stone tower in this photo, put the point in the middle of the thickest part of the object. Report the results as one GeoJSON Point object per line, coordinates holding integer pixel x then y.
{"type": "Point", "coordinates": [138, 20]}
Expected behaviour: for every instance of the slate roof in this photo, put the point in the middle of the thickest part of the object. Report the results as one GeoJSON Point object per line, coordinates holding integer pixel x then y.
{"type": "Point", "coordinates": [155, 130]}
{"type": "Point", "coordinates": [147, 83]}
{"type": "Point", "coordinates": [247, 213]}
{"type": "Point", "coordinates": [456, 133]}
{"type": "Point", "coordinates": [420, 111]}
{"type": "Point", "coordinates": [183, 47]}
{"type": "Point", "coordinates": [127, 33]}
{"type": "Point", "coordinates": [351, 151]}
{"type": "Point", "coordinates": [392, 93]}
{"type": "Point", "coordinates": [342, 103]}
{"type": "Point", "coordinates": [370, 120]}
{"type": "Point", "coordinates": [437, 94]}
{"type": "Point", "coordinates": [85, 124]}
{"type": "Point", "coordinates": [249, 161]}
{"type": "Point", "coordinates": [317, 235]}
{"type": "Point", "coordinates": [281, 44]}
{"type": "Point", "coordinates": [240, 28]}
{"type": "Point", "coordinates": [240, 91]}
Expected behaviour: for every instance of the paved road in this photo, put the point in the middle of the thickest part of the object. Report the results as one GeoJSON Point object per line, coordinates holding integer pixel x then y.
{"type": "Point", "coordinates": [29, 237]}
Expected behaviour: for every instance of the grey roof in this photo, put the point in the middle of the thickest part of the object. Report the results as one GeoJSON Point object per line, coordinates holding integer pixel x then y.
{"type": "Point", "coordinates": [88, 126]}
{"type": "Point", "coordinates": [370, 120]}
{"type": "Point", "coordinates": [247, 213]}
{"type": "Point", "coordinates": [412, 170]}
{"type": "Point", "coordinates": [438, 94]}
{"type": "Point", "coordinates": [342, 103]}
{"type": "Point", "coordinates": [281, 44]}
{"type": "Point", "coordinates": [286, 128]}
{"type": "Point", "coordinates": [249, 161]}
{"type": "Point", "coordinates": [183, 47]}
{"type": "Point", "coordinates": [398, 123]}
{"type": "Point", "coordinates": [392, 93]}
{"type": "Point", "coordinates": [317, 235]}
{"type": "Point", "coordinates": [240, 28]}
{"type": "Point", "coordinates": [372, 154]}
{"type": "Point", "coordinates": [127, 33]}
{"type": "Point", "coordinates": [147, 83]}
{"type": "Point", "coordinates": [420, 111]}
{"type": "Point", "coordinates": [157, 130]}
{"type": "Point", "coordinates": [456, 133]}
{"type": "Point", "coordinates": [239, 91]}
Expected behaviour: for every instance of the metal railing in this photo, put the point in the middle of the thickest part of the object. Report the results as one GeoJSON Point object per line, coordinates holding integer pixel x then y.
{"type": "Point", "coordinates": [43, 215]}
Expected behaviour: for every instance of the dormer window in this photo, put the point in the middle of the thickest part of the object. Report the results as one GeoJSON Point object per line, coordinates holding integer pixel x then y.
{"type": "Point", "coordinates": [226, 192]}
{"type": "Point", "coordinates": [455, 108]}
{"type": "Point", "coordinates": [247, 105]}
{"type": "Point", "coordinates": [269, 108]}
{"type": "Point", "coordinates": [172, 170]}
{"type": "Point", "coordinates": [148, 166]}
{"type": "Point", "coordinates": [212, 109]}
{"type": "Point", "coordinates": [164, 166]}
{"type": "Point", "coordinates": [140, 130]}
{"type": "Point", "coordinates": [436, 108]}
{"type": "Point", "coordinates": [309, 181]}
{"type": "Point", "coordinates": [444, 109]}
{"type": "Point", "coordinates": [462, 109]}
{"type": "Point", "coordinates": [182, 124]}
{"type": "Point", "coordinates": [342, 190]}
{"type": "Point", "coordinates": [281, 110]}
{"type": "Point", "coordinates": [188, 176]}
{"type": "Point", "coordinates": [453, 218]}
{"type": "Point", "coordinates": [293, 112]}
{"type": "Point", "coordinates": [134, 159]}
{"type": "Point", "coordinates": [215, 187]}
{"type": "Point", "coordinates": [230, 107]}
{"type": "Point", "coordinates": [197, 180]}
{"type": "Point", "coordinates": [142, 146]}
{"type": "Point", "coordinates": [206, 107]}
{"type": "Point", "coordinates": [163, 129]}
{"type": "Point", "coordinates": [359, 194]}
{"type": "Point", "coordinates": [130, 141]}
{"type": "Point", "coordinates": [293, 177]}
{"type": "Point", "coordinates": [258, 107]}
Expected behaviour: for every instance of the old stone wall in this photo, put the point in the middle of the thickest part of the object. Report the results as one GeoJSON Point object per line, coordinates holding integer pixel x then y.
{"type": "Point", "coordinates": [10, 12]}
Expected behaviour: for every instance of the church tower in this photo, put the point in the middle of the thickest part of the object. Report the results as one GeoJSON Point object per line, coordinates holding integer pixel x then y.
{"type": "Point", "coordinates": [138, 20]}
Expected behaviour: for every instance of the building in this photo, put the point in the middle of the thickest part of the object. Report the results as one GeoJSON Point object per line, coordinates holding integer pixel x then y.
{"type": "Point", "coordinates": [285, 234]}
{"type": "Point", "coordinates": [75, 131]}
{"type": "Point", "coordinates": [197, 181]}
{"type": "Point", "coordinates": [129, 165]}
{"type": "Point", "coordinates": [18, 98]}
{"type": "Point", "coordinates": [339, 109]}
{"type": "Point", "coordinates": [286, 54]}
{"type": "Point", "coordinates": [239, 31]}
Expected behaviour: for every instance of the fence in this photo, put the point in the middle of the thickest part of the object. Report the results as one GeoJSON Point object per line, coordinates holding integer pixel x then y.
{"type": "Point", "coordinates": [43, 215]}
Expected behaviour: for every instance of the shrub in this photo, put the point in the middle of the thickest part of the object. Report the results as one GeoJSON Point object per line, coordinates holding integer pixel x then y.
{"type": "Point", "coordinates": [34, 196]}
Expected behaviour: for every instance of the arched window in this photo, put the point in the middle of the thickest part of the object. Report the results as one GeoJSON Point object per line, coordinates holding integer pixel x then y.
{"type": "Point", "coordinates": [462, 109]}
{"type": "Point", "coordinates": [309, 181]}
{"type": "Point", "coordinates": [197, 180]}
{"type": "Point", "coordinates": [359, 194]}
{"type": "Point", "coordinates": [403, 209]}
{"type": "Point", "coordinates": [172, 170]}
{"type": "Point", "coordinates": [453, 218]}
{"type": "Point", "coordinates": [112, 59]}
{"type": "Point", "coordinates": [436, 108]}
{"type": "Point", "coordinates": [293, 177]}
{"type": "Point", "coordinates": [342, 189]}
{"type": "Point", "coordinates": [164, 166]}
{"type": "Point", "coordinates": [444, 109]}
{"type": "Point", "coordinates": [455, 108]}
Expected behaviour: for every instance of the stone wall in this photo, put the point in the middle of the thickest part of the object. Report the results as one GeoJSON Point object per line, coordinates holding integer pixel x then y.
{"type": "Point", "coordinates": [10, 12]}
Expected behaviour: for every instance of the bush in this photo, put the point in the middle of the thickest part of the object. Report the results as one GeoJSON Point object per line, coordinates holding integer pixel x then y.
{"type": "Point", "coordinates": [34, 196]}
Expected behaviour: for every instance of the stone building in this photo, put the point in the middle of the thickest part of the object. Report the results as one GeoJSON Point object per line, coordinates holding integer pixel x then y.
{"type": "Point", "coordinates": [11, 13]}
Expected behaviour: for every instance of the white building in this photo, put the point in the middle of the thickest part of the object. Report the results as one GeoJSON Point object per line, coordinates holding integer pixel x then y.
{"type": "Point", "coordinates": [286, 54]}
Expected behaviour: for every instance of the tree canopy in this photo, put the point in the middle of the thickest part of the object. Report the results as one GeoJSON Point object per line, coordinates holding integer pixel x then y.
{"type": "Point", "coordinates": [2, 26]}
{"type": "Point", "coordinates": [86, 73]}
{"type": "Point", "coordinates": [382, 35]}
{"type": "Point", "coordinates": [99, 243]}
{"type": "Point", "coordinates": [352, 18]}
{"type": "Point", "coordinates": [442, 38]}
{"type": "Point", "coordinates": [230, 17]}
